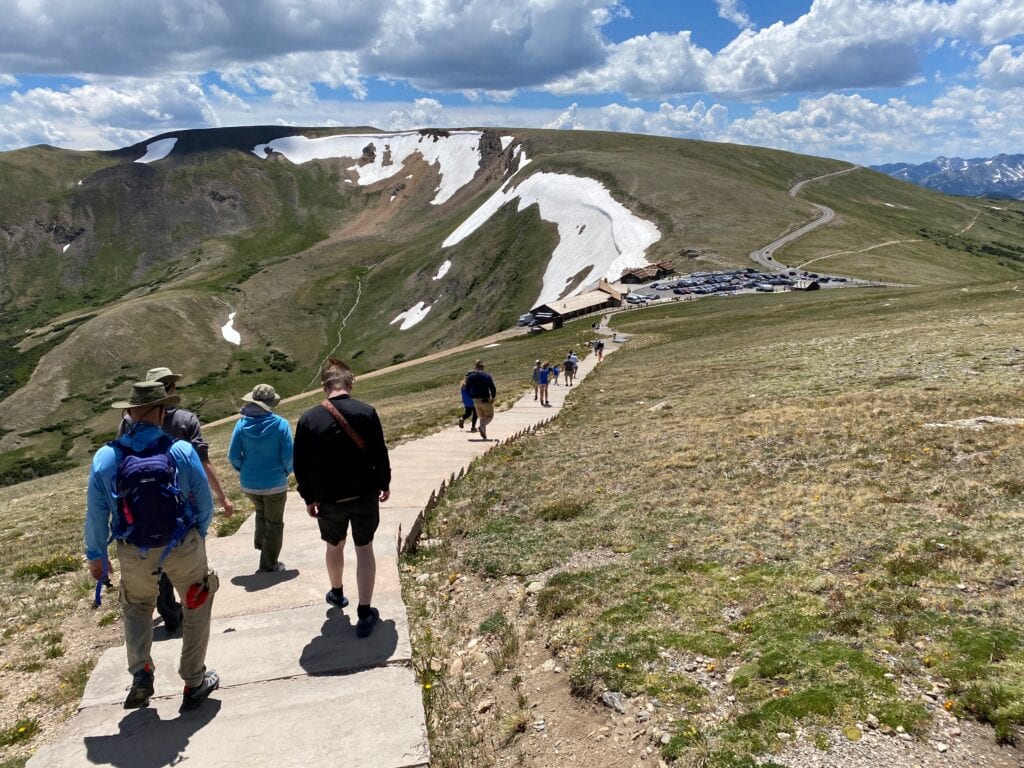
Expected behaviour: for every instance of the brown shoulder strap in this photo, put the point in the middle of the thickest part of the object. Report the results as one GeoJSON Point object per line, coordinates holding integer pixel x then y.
{"type": "Point", "coordinates": [360, 443]}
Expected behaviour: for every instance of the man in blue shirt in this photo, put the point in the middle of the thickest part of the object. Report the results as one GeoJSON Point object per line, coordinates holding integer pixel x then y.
{"type": "Point", "coordinates": [185, 562]}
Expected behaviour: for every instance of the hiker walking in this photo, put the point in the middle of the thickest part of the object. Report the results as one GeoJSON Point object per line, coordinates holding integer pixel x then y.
{"type": "Point", "coordinates": [261, 452]}
{"type": "Point", "coordinates": [182, 425]}
{"type": "Point", "coordinates": [555, 372]}
{"type": "Point", "coordinates": [343, 473]}
{"type": "Point", "coordinates": [468, 411]}
{"type": "Point", "coordinates": [149, 493]}
{"type": "Point", "coordinates": [599, 349]}
{"type": "Point", "coordinates": [480, 386]}
{"type": "Point", "coordinates": [545, 376]}
{"type": "Point", "coordinates": [535, 379]}
{"type": "Point", "coordinates": [570, 369]}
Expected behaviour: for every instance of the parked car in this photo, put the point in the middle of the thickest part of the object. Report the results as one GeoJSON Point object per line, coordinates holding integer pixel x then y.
{"type": "Point", "coordinates": [525, 319]}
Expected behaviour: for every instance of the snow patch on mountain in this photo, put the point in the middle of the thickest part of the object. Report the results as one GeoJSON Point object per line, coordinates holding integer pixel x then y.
{"type": "Point", "coordinates": [411, 316]}
{"type": "Point", "coordinates": [596, 233]}
{"type": "Point", "coordinates": [442, 270]}
{"type": "Point", "coordinates": [156, 150]}
{"type": "Point", "coordinates": [381, 156]}
{"type": "Point", "coordinates": [228, 330]}
{"type": "Point", "coordinates": [999, 176]}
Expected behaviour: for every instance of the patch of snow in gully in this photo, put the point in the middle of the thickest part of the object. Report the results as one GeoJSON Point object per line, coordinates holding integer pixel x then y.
{"type": "Point", "coordinates": [228, 330]}
{"type": "Point", "coordinates": [65, 248]}
{"type": "Point", "coordinates": [442, 270]}
{"type": "Point", "coordinates": [594, 230]}
{"type": "Point", "coordinates": [457, 155]}
{"type": "Point", "coordinates": [505, 141]}
{"type": "Point", "coordinates": [157, 150]}
{"type": "Point", "coordinates": [411, 316]}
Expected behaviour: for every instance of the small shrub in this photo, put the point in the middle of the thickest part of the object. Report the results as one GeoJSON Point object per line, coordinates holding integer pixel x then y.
{"type": "Point", "coordinates": [562, 509]}
{"type": "Point", "coordinates": [44, 569]}
{"type": "Point", "coordinates": [23, 730]}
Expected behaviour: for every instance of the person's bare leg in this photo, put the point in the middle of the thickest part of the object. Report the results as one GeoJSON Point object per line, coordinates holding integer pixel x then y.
{"type": "Point", "coordinates": [366, 573]}
{"type": "Point", "coordinates": [336, 563]}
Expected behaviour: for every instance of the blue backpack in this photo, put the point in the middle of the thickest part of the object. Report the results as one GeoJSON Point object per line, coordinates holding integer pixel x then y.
{"type": "Point", "coordinates": [151, 510]}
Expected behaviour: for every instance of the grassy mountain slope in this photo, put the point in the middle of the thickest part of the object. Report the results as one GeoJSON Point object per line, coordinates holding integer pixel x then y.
{"type": "Point", "coordinates": [159, 255]}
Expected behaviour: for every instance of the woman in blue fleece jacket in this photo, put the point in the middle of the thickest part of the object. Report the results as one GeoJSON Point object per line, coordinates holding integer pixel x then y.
{"type": "Point", "coordinates": [261, 451]}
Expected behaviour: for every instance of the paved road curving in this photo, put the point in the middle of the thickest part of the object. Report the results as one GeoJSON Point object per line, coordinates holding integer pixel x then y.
{"type": "Point", "coordinates": [765, 256]}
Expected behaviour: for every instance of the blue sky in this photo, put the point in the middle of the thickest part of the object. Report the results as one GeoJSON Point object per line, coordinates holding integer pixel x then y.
{"type": "Point", "coordinates": [868, 81]}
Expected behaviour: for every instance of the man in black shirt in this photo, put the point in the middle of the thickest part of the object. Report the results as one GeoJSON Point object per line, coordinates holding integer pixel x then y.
{"type": "Point", "coordinates": [480, 387]}
{"type": "Point", "coordinates": [343, 473]}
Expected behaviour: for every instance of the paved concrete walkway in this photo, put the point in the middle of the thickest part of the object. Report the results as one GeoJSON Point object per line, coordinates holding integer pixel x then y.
{"type": "Point", "coordinates": [298, 688]}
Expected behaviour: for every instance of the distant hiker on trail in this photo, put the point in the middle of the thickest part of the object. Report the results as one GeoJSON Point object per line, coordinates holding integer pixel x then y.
{"type": "Point", "coordinates": [343, 474]}
{"type": "Point", "coordinates": [545, 376]}
{"type": "Point", "coordinates": [261, 452]}
{"type": "Point", "coordinates": [555, 372]}
{"type": "Point", "coordinates": [468, 411]}
{"type": "Point", "coordinates": [182, 425]}
{"type": "Point", "coordinates": [599, 349]}
{"type": "Point", "coordinates": [149, 493]}
{"type": "Point", "coordinates": [481, 388]}
{"type": "Point", "coordinates": [535, 378]}
{"type": "Point", "coordinates": [570, 369]}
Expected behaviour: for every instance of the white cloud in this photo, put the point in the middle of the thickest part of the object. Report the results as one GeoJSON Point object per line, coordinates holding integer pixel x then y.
{"type": "Point", "coordinates": [837, 44]}
{"type": "Point", "coordinates": [732, 10]}
{"type": "Point", "coordinates": [649, 66]}
{"type": "Point", "coordinates": [1004, 67]}
{"type": "Point", "coordinates": [424, 113]}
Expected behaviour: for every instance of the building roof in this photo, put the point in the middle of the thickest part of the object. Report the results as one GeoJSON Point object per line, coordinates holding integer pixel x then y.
{"type": "Point", "coordinates": [578, 303]}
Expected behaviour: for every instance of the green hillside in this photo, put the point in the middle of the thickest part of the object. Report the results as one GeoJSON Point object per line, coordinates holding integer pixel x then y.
{"type": "Point", "coordinates": [139, 265]}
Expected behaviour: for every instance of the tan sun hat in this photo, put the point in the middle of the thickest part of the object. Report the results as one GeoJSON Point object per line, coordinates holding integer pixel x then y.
{"type": "Point", "coordinates": [147, 393]}
{"type": "Point", "coordinates": [264, 396]}
{"type": "Point", "coordinates": [162, 375]}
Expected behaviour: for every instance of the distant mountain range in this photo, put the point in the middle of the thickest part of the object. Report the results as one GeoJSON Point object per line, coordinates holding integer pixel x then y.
{"type": "Point", "coordinates": [999, 176]}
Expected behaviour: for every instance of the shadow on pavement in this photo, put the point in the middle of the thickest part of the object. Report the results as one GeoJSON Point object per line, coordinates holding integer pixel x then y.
{"type": "Point", "coordinates": [146, 741]}
{"type": "Point", "coordinates": [337, 649]}
{"type": "Point", "coordinates": [254, 582]}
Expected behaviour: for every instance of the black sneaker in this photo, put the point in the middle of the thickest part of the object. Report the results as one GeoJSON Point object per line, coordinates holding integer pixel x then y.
{"type": "Point", "coordinates": [141, 690]}
{"type": "Point", "coordinates": [275, 568]}
{"type": "Point", "coordinates": [193, 697]}
{"type": "Point", "coordinates": [462, 421]}
{"type": "Point", "coordinates": [337, 602]}
{"type": "Point", "coordinates": [366, 624]}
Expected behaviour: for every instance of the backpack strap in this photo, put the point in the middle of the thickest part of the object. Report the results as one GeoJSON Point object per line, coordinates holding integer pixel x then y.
{"type": "Point", "coordinates": [343, 423]}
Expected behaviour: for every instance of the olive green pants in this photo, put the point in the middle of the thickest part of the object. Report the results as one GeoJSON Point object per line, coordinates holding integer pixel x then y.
{"type": "Point", "coordinates": [269, 534]}
{"type": "Point", "coordinates": [185, 565]}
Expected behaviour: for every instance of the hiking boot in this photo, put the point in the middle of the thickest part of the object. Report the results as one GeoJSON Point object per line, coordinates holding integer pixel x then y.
{"type": "Point", "coordinates": [473, 429]}
{"type": "Point", "coordinates": [337, 602]}
{"type": "Point", "coordinates": [462, 420]}
{"type": "Point", "coordinates": [141, 690]}
{"type": "Point", "coordinates": [366, 624]}
{"type": "Point", "coordinates": [194, 696]}
{"type": "Point", "coordinates": [276, 567]}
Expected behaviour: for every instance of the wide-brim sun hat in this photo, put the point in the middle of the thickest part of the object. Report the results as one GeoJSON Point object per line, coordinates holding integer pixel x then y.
{"type": "Point", "coordinates": [147, 393]}
{"type": "Point", "coordinates": [264, 396]}
{"type": "Point", "coordinates": [161, 374]}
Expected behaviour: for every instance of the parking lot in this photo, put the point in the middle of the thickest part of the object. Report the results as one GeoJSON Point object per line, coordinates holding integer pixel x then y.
{"type": "Point", "coordinates": [727, 283]}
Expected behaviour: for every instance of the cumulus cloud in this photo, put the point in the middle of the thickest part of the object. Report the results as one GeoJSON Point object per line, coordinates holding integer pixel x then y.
{"type": "Point", "coordinates": [476, 44]}
{"type": "Point", "coordinates": [649, 66]}
{"type": "Point", "coordinates": [124, 37]}
{"type": "Point", "coordinates": [424, 113]}
{"type": "Point", "coordinates": [732, 10]}
{"type": "Point", "coordinates": [1004, 67]}
{"type": "Point", "coordinates": [837, 44]}
{"type": "Point", "coordinates": [101, 114]}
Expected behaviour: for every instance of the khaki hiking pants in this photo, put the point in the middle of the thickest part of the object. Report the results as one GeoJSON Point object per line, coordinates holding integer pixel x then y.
{"type": "Point", "coordinates": [269, 535]}
{"type": "Point", "coordinates": [185, 565]}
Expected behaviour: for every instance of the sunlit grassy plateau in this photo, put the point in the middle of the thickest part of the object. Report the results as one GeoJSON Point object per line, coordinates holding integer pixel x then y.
{"type": "Point", "coordinates": [742, 514]}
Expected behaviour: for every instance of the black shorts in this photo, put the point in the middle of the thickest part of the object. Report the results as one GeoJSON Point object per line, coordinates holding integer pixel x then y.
{"type": "Point", "coordinates": [362, 511]}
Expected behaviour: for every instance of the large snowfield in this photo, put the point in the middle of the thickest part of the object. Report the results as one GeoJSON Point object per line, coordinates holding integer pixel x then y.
{"type": "Point", "coordinates": [457, 155]}
{"type": "Point", "coordinates": [594, 230]}
{"type": "Point", "coordinates": [598, 236]}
